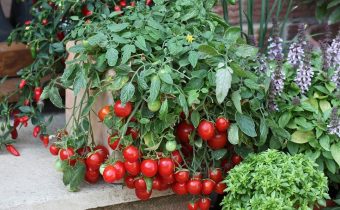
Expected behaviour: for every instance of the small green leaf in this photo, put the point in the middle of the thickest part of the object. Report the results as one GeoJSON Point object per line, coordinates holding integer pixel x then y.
{"type": "Point", "coordinates": [233, 136]}
{"type": "Point", "coordinates": [245, 51]}
{"type": "Point", "coordinates": [246, 124]}
{"type": "Point", "coordinates": [184, 104]}
{"type": "Point", "coordinates": [148, 182]}
{"type": "Point", "coordinates": [219, 154]}
{"type": "Point", "coordinates": [193, 58]}
{"type": "Point", "coordinates": [195, 118]}
{"type": "Point", "coordinates": [236, 98]}
{"type": "Point", "coordinates": [166, 77]}
{"type": "Point", "coordinates": [325, 142]}
{"type": "Point", "coordinates": [140, 43]}
{"type": "Point", "coordinates": [127, 92]}
{"type": "Point", "coordinates": [208, 50]}
{"type": "Point", "coordinates": [223, 83]}
{"type": "Point", "coordinates": [117, 27]}
{"type": "Point", "coordinates": [154, 88]}
{"type": "Point", "coordinates": [325, 106]}
{"type": "Point", "coordinates": [284, 119]}
{"type": "Point", "coordinates": [127, 50]}
{"type": "Point", "coordinates": [79, 82]}
{"type": "Point", "coordinates": [335, 151]}
{"type": "Point", "coordinates": [55, 98]}
{"type": "Point", "coordinates": [112, 56]}
{"type": "Point", "coordinates": [301, 137]}
{"type": "Point", "coordinates": [163, 111]}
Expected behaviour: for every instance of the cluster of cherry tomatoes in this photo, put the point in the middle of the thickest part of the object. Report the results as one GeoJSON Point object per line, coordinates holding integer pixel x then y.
{"type": "Point", "coordinates": [117, 7]}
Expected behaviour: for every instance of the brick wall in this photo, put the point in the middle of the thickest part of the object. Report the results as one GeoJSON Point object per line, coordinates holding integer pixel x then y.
{"type": "Point", "coordinates": [301, 13]}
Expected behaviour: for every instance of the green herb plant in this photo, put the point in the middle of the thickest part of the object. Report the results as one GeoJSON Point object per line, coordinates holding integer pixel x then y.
{"type": "Point", "coordinates": [275, 180]}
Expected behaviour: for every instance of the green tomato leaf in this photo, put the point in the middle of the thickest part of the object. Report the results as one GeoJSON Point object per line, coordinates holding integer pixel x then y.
{"type": "Point", "coordinates": [301, 137]}
{"type": "Point", "coordinates": [163, 111]}
{"type": "Point", "coordinates": [236, 98]}
{"type": "Point", "coordinates": [127, 93]}
{"type": "Point", "coordinates": [207, 49]}
{"type": "Point", "coordinates": [55, 98]}
{"type": "Point", "coordinates": [195, 118]}
{"type": "Point", "coordinates": [117, 27]}
{"type": "Point", "coordinates": [154, 88]}
{"type": "Point", "coordinates": [193, 58]}
{"type": "Point", "coordinates": [112, 56]}
{"type": "Point", "coordinates": [148, 182]}
{"type": "Point", "coordinates": [223, 83]}
{"type": "Point", "coordinates": [219, 154]}
{"type": "Point", "coordinates": [245, 51]}
{"type": "Point", "coordinates": [140, 43]}
{"type": "Point", "coordinates": [127, 50]}
{"type": "Point", "coordinates": [184, 104]}
{"type": "Point", "coordinates": [233, 136]}
{"type": "Point", "coordinates": [246, 124]}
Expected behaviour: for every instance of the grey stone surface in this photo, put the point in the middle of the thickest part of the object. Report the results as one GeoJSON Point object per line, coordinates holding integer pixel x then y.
{"type": "Point", "coordinates": [31, 182]}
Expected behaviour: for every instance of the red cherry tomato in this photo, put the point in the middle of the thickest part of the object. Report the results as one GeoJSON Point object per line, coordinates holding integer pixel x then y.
{"type": "Point", "coordinates": [22, 83]}
{"type": "Point", "coordinates": [216, 175]}
{"type": "Point", "coordinates": [133, 132]}
{"type": "Point", "coordinates": [60, 35]}
{"type": "Point", "coordinates": [219, 141]}
{"type": "Point", "coordinates": [149, 167]}
{"type": "Point", "coordinates": [143, 194]}
{"type": "Point", "coordinates": [122, 3]}
{"type": "Point", "coordinates": [44, 22]}
{"type": "Point", "coordinates": [226, 166]}
{"type": "Point", "coordinates": [206, 130]}
{"type": "Point", "coordinates": [204, 203]}
{"type": "Point", "coordinates": [65, 154]}
{"type": "Point", "coordinates": [14, 133]}
{"type": "Point", "coordinates": [140, 184]}
{"type": "Point", "coordinates": [91, 176]}
{"type": "Point", "coordinates": [120, 169]}
{"type": "Point", "coordinates": [45, 139]}
{"type": "Point", "coordinates": [129, 181]}
{"type": "Point", "coordinates": [110, 174]}
{"type": "Point", "coordinates": [194, 187]}
{"type": "Point", "coordinates": [11, 149]}
{"type": "Point", "coordinates": [177, 157]}
{"type": "Point", "coordinates": [179, 188]}
{"type": "Point", "coordinates": [113, 141]}
{"type": "Point", "coordinates": [117, 8]}
{"type": "Point", "coordinates": [197, 175]}
{"type": "Point", "coordinates": [85, 11]}
{"type": "Point", "coordinates": [133, 4]}
{"type": "Point", "coordinates": [54, 150]}
{"type": "Point", "coordinates": [122, 110]}
{"type": "Point", "coordinates": [193, 205]}
{"type": "Point", "coordinates": [170, 179]}
{"type": "Point", "coordinates": [131, 153]}
{"type": "Point", "coordinates": [133, 168]}
{"type": "Point", "coordinates": [222, 124]}
{"type": "Point", "coordinates": [166, 167]}
{"type": "Point", "coordinates": [83, 151]}
{"type": "Point", "coordinates": [236, 159]}
{"type": "Point", "coordinates": [156, 183]}
{"type": "Point", "coordinates": [103, 112]}
{"type": "Point", "coordinates": [94, 161]}
{"type": "Point", "coordinates": [182, 176]}
{"type": "Point", "coordinates": [220, 187]}
{"type": "Point", "coordinates": [183, 131]}
{"type": "Point", "coordinates": [208, 186]}
{"type": "Point", "coordinates": [37, 93]}
{"type": "Point", "coordinates": [102, 150]}
{"type": "Point", "coordinates": [148, 2]}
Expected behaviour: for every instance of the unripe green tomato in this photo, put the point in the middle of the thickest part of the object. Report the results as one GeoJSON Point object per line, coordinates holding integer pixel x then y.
{"type": "Point", "coordinates": [58, 165]}
{"type": "Point", "coordinates": [86, 45]}
{"type": "Point", "coordinates": [33, 52]}
{"type": "Point", "coordinates": [171, 146]}
{"type": "Point", "coordinates": [154, 106]}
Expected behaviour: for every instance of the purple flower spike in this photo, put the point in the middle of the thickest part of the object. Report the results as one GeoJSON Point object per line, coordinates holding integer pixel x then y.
{"type": "Point", "coordinates": [275, 44]}
{"type": "Point", "coordinates": [305, 72]}
{"type": "Point", "coordinates": [277, 81]}
{"type": "Point", "coordinates": [296, 52]}
{"type": "Point", "coordinates": [333, 52]}
{"type": "Point", "coordinates": [334, 124]}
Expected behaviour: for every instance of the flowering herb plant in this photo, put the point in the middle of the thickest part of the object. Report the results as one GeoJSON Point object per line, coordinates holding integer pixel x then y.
{"type": "Point", "coordinates": [307, 105]}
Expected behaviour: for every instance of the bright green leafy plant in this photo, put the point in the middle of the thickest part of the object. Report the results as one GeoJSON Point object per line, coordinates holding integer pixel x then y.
{"type": "Point", "coordinates": [275, 180]}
